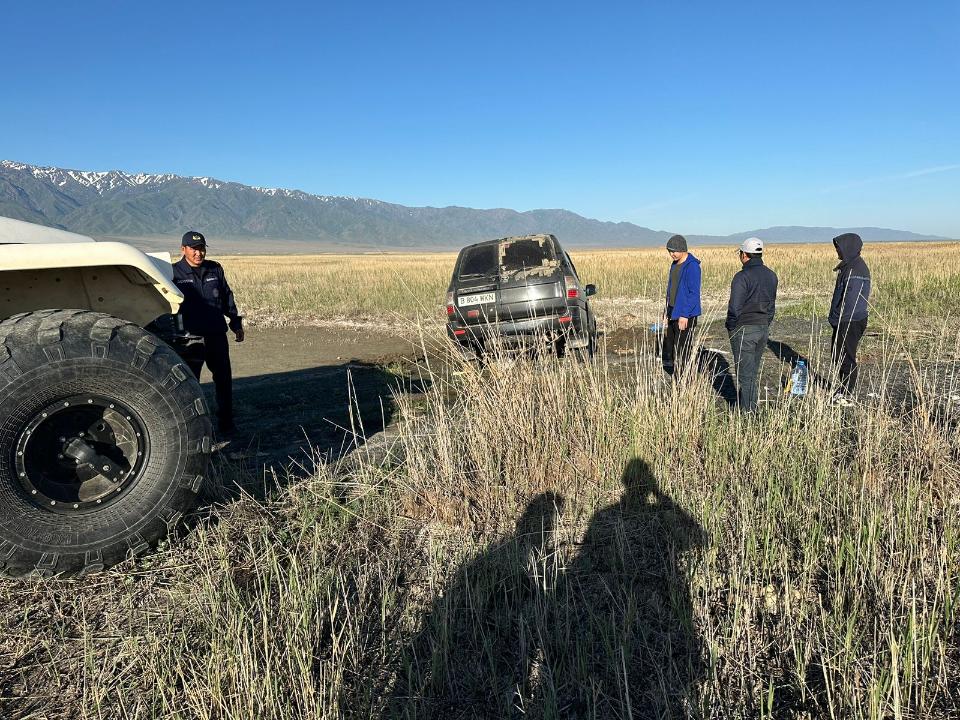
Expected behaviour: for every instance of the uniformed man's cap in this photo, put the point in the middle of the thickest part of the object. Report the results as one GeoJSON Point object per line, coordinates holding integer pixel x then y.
{"type": "Point", "coordinates": [193, 239]}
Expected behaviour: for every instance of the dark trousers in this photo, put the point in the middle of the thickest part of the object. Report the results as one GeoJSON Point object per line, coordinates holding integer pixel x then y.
{"type": "Point", "coordinates": [216, 354]}
{"type": "Point", "coordinates": [748, 343]}
{"type": "Point", "coordinates": [846, 338]}
{"type": "Point", "coordinates": [676, 346]}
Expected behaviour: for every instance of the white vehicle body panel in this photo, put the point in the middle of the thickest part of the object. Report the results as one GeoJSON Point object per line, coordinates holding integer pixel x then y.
{"type": "Point", "coordinates": [44, 268]}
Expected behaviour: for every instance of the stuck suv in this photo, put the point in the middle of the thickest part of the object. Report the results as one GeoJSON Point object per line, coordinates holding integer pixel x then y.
{"type": "Point", "coordinates": [518, 292]}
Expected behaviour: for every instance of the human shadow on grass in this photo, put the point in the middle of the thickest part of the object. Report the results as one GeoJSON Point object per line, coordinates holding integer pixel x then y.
{"type": "Point", "coordinates": [611, 635]}
{"type": "Point", "coordinates": [287, 421]}
{"type": "Point", "coordinates": [785, 353]}
{"type": "Point", "coordinates": [475, 651]}
{"type": "Point", "coordinates": [623, 641]}
{"type": "Point", "coordinates": [717, 367]}
{"type": "Point", "coordinates": [708, 362]}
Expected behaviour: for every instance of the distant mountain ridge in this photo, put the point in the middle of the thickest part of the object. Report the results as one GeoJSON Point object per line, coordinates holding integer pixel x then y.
{"type": "Point", "coordinates": [804, 233]}
{"type": "Point", "coordinates": [115, 203]}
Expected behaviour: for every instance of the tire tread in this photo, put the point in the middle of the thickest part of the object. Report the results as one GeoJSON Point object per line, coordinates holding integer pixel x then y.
{"type": "Point", "coordinates": [64, 335]}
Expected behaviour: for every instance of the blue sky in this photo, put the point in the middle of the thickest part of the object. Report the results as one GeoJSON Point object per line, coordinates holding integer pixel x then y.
{"type": "Point", "coordinates": [688, 116]}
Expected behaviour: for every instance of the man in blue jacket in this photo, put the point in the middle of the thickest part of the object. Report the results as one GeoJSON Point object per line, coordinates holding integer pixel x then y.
{"type": "Point", "coordinates": [207, 298]}
{"type": "Point", "coordinates": [848, 312]}
{"type": "Point", "coordinates": [753, 300]}
{"type": "Point", "coordinates": [682, 306]}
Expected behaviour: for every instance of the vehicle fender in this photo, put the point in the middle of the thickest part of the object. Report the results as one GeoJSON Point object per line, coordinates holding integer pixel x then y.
{"type": "Point", "coordinates": [108, 277]}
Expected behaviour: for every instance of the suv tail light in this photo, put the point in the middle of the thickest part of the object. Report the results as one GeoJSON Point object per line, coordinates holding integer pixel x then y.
{"type": "Point", "coordinates": [450, 308]}
{"type": "Point", "coordinates": [573, 290]}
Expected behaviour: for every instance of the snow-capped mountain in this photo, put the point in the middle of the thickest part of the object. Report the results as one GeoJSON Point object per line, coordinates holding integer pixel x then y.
{"type": "Point", "coordinates": [116, 203]}
{"type": "Point", "coordinates": [104, 182]}
{"type": "Point", "coordinates": [101, 182]}
{"type": "Point", "coordinates": [121, 204]}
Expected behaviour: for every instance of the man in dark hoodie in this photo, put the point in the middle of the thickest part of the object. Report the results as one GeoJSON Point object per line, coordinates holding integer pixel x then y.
{"type": "Point", "coordinates": [753, 299]}
{"type": "Point", "coordinates": [682, 306]}
{"type": "Point", "coordinates": [848, 312]}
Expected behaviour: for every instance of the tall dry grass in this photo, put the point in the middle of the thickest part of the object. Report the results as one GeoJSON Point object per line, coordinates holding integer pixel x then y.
{"type": "Point", "coordinates": [916, 278]}
{"type": "Point", "coordinates": [546, 539]}
{"type": "Point", "coordinates": [551, 540]}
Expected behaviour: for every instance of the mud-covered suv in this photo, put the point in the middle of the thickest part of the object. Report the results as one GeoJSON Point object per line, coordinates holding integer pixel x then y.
{"type": "Point", "coordinates": [519, 292]}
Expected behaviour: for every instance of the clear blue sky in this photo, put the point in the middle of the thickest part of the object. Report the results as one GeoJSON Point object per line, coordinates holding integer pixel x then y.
{"type": "Point", "coordinates": [690, 116]}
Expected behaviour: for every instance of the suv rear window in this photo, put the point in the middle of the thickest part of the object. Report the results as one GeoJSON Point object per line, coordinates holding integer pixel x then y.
{"type": "Point", "coordinates": [526, 254]}
{"type": "Point", "coordinates": [508, 257]}
{"type": "Point", "coordinates": [479, 260]}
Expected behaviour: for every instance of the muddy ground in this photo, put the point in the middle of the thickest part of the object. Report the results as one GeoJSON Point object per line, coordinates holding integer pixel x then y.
{"type": "Point", "coordinates": [884, 369]}
{"type": "Point", "coordinates": [310, 393]}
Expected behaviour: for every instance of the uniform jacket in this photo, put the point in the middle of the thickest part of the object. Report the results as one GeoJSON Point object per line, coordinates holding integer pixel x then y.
{"type": "Point", "coordinates": [852, 291]}
{"type": "Point", "coordinates": [207, 298]}
{"type": "Point", "coordinates": [688, 290]}
{"type": "Point", "coordinates": [753, 296]}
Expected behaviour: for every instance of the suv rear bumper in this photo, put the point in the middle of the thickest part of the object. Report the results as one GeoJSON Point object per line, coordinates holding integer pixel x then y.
{"type": "Point", "coordinates": [522, 333]}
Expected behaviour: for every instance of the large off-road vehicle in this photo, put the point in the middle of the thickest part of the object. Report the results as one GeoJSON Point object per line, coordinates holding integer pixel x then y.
{"type": "Point", "coordinates": [519, 292]}
{"type": "Point", "coordinates": [104, 432]}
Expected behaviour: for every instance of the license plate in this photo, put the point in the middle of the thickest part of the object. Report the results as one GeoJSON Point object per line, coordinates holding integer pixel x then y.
{"type": "Point", "coordinates": [478, 299]}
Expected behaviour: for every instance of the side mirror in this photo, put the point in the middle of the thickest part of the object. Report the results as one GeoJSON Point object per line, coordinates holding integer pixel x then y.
{"type": "Point", "coordinates": [590, 290]}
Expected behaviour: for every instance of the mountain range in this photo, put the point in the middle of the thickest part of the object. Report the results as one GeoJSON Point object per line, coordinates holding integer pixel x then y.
{"type": "Point", "coordinates": [120, 204]}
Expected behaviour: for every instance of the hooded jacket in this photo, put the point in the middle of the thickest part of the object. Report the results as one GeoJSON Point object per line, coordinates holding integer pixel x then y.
{"type": "Point", "coordinates": [688, 290]}
{"type": "Point", "coordinates": [852, 291]}
{"type": "Point", "coordinates": [753, 296]}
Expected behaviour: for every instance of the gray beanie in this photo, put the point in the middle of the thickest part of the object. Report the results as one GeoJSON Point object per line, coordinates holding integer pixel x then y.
{"type": "Point", "coordinates": [678, 243]}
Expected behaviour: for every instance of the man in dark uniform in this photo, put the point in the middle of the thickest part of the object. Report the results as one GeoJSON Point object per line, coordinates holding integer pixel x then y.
{"type": "Point", "coordinates": [207, 298]}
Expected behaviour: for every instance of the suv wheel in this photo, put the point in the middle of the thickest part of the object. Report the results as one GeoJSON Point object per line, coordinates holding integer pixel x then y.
{"type": "Point", "coordinates": [585, 354]}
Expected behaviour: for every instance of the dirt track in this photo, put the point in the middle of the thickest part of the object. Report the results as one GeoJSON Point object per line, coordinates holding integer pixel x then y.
{"type": "Point", "coordinates": [303, 391]}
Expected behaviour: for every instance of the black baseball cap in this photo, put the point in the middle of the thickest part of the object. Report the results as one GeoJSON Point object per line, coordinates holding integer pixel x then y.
{"type": "Point", "coordinates": [193, 239]}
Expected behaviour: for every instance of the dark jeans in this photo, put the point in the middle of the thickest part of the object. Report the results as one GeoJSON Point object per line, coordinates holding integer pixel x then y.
{"type": "Point", "coordinates": [676, 346]}
{"type": "Point", "coordinates": [748, 343]}
{"type": "Point", "coordinates": [846, 338]}
{"type": "Point", "coordinates": [216, 354]}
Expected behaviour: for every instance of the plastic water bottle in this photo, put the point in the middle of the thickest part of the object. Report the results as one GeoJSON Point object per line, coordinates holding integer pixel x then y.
{"type": "Point", "coordinates": [798, 380]}
{"type": "Point", "coordinates": [656, 327]}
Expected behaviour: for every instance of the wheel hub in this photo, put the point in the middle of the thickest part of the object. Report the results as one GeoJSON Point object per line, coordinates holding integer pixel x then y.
{"type": "Point", "coordinates": [80, 453]}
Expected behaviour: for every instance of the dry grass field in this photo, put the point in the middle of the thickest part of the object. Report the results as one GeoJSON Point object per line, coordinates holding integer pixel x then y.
{"type": "Point", "coordinates": [911, 279]}
{"type": "Point", "coordinates": [551, 540]}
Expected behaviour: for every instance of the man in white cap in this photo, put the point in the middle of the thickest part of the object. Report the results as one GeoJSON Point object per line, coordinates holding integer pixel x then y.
{"type": "Point", "coordinates": [753, 298]}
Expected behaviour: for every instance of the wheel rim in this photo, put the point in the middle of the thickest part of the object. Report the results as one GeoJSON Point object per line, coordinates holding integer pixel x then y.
{"type": "Point", "coordinates": [80, 453]}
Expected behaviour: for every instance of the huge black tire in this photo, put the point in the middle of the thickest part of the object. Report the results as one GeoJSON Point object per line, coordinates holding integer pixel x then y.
{"type": "Point", "coordinates": [104, 441]}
